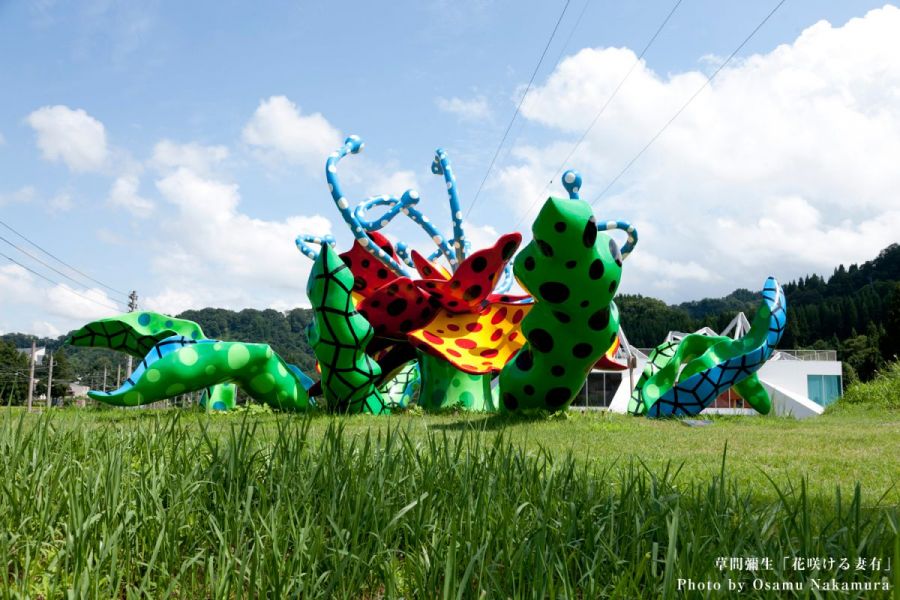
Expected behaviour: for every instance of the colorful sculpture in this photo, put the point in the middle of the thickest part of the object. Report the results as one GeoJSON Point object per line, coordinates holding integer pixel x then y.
{"type": "Point", "coordinates": [393, 325]}
{"type": "Point", "coordinates": [684, 378]}
{"type": "Point", "coordinates": [573, 273]}
{"type": "Point", "coordinates": [339, 337]}
{"type": "Point", "coordinates": [137, 333]}
{"type": "Point", "coordinates": [179, 365]}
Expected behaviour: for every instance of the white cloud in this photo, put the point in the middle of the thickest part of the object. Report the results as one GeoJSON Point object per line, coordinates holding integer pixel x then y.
{"type": "Point", "coordinates": [786, 164]}
{"type": "Point", "coordinates": [197, 157]}
{"type": "Point", "coordinates": [279, 131]}
{"type": "Point", "coordinates": [33, 301]}
{"type": "Point", "coordinates": [223, 257]}
{"type": "Point", "coordinates": [125, 194]}
{"type": "Point", "coordinates": [61, 202]}
{"type": "Point", "coordinates": [394, 183]}
{"type": "Point", "coordinates": [22, 195]}
{"type": "Point", "coordinates": [474, 109]}
{"type": "Point", "coordinates": [72, 136]}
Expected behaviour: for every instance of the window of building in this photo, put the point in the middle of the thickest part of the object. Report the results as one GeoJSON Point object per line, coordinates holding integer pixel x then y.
{"type": "Point", "coordinates": [823, 389]}
{"type": "Point", "coordinates": [598, 390]}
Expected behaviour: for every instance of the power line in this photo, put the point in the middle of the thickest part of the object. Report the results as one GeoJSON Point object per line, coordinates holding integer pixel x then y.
{"type": "Point", "coordinates": [44, 277]}
{"type": "Point", "coordinates": [62, 262]}
{"type": "Point", "coordinates": [603, 108]}
{"type": "Point", "coordinates": [686, 104]}
{"type": "Point", "coordinates": [35, 258]}
{"type": "Point", "coordinates": [572, 32]}
{"type": "Point", "coordinates": [558, 60]}
{"type": "Point", "coordinates": [518, 106]}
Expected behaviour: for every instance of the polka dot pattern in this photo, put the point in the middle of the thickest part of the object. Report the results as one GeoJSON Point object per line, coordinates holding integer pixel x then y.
{"type": "Point", "coordinates": [469, 286]}
{"type": "Point", "coordinates": [397, 308]}
{"type": "Point", "coordinates": [474, 342]}
{"type": "Point", "coordinates": [572, 270]}
{"type": "Point", "coordinates": [369, 273]}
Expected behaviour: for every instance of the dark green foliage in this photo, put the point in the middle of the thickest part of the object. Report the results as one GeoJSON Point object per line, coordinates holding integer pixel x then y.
{"type": "Point", "coordinates": [63, 375]}
{"type": "Point", "coordinates": [737, 301]}
{"type": "Point", "coordinates": [13, 374]}
{"type": "Point", "coordinates": [647, 320]}
{"type": "Point", "coordinates": [880, 394]}
{"type": "Point", "coordinates": [856, 312]}
{"type": "Point", "coordinates": [285, 332]}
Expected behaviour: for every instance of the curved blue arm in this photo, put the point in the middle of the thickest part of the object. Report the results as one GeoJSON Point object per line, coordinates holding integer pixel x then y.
{"type": "Point", "coordinates": [572, 181]}
{"type": "Point", "coordinates": [406, 205]}
{"type": "Point", "coordinates": [409, 209]}
{"type": "Point", "coordinates": [403, 252]}
{"type": "Point", "coordinates": [359, 213]}
{"type": "Point", "coordinates": [628, 228]}
{"type": "Point", "coordinates": [441, 166]}
{"type": "Point", "coordinates": [352, 145]}
{"type": "Point", "coordinates": [311, 253]}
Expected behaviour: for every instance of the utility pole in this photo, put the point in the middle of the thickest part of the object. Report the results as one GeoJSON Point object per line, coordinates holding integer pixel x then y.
{"type": "Point", "coordinates": [132, 306]}
{"type": "Point", "coordinates": [50, 384]}
{"type": "Point", "coordinates": [104, 378]}
{"type": "Point", "coordinates": [118, 375]}
{"type": "Point", "coordinates": [31, 375]}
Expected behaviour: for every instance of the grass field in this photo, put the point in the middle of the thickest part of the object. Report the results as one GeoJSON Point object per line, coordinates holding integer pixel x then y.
{"type": "Point", "coordinates": [136, 503]}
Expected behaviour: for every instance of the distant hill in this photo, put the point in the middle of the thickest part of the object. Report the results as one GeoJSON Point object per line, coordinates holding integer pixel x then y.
{"type": "Point", "coordinates": [855, 311]}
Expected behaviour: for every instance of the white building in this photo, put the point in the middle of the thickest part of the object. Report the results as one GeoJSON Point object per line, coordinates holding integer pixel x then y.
{"type": "Point", "coordinates": [39, 354]}
{"type": "Point", "coordinates": [801, 383]}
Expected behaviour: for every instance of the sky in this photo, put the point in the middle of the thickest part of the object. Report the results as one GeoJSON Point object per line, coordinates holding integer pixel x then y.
{"type": "Point", "coordinates": [177, 149]}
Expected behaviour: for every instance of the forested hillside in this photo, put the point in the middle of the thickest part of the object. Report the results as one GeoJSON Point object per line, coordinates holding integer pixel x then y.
{"type": "Point", "coordinates": [855, 311]}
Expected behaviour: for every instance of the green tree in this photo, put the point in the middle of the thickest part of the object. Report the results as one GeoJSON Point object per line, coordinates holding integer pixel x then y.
{"type": "Point", "coordinates": [13, 374]}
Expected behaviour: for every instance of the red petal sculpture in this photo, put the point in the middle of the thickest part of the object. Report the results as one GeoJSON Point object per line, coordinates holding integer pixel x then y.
{"type": "Point", "coordinates": [608, 361]}
{"type": "Point", "coordinates": [397, 308]}
{"type": "Point", "coordinates": [369, 273]}
{"type": "Point", "coordinates": [475, 277]}
{"type": "Point", "coordinates": [428, 269]}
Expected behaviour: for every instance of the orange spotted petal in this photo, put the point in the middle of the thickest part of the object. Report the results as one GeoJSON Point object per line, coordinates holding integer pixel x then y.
{"type": "Point", "coordinates": [474, 342]}
{"type": "Point", "coordinates": [608, 361]}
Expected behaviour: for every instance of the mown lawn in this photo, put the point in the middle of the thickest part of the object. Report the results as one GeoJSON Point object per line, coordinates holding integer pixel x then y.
{"type": "Point", "coordinates": [137, 503]}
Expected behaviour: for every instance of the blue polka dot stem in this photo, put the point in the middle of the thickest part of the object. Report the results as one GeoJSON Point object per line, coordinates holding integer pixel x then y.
{"type": "Point", "coordinates": [394, 208]}
{"type": "Point", "coordinates": [311, 253]}
{"type": "Point", "coordinates": [403, 252]}
{"type": "Point", "coordinates": [506, 279]}
{"type": "Point", "coordinates": [407, 205]}
{"type": "Point", "coordinates": [571, 180]}
{"type": "Point", "coordinates": [352, 145]}
{"type": "Point", "coordinates": [628, 228]}
{"type": "Point", "coordinates": [441, 166]}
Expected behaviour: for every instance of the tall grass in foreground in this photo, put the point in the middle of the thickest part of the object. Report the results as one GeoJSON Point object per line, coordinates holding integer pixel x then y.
{"type": "Point", "coordinates": [174, 506]}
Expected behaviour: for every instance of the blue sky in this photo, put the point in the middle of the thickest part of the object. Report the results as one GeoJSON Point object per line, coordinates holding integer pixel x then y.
{"type": "Point", "coordinates": [174, 148]}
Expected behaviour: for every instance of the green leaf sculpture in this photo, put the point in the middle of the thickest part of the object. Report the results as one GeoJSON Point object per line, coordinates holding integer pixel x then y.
{"type": "Point", "coordinates": [136, 333]}
{"type": "Point", "coordinates": [339, 336]}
